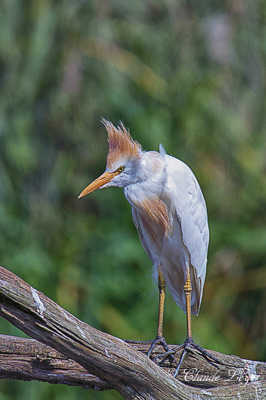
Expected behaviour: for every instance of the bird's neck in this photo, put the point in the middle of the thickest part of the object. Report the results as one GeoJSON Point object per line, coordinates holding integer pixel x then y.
{"type": "Point", "coordinates": [151, 182]}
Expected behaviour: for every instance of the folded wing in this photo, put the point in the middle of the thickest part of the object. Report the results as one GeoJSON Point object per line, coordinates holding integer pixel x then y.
{"type": "Point", "coordinates": [174, 232]}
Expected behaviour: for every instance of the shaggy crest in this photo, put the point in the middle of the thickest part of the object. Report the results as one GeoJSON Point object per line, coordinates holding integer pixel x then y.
{"type": "Point", "coordinates": [120, 142]}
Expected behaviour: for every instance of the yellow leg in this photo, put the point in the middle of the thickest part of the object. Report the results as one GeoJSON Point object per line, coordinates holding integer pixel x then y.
{"type": "Point", "coordinates": [189, 342]}
{"type": "Point", "coordinates": [188, 290]}
{"type": "Point", "coordinates": [159, 340]}
{"type": "Point", "coordinates": [161, 286]}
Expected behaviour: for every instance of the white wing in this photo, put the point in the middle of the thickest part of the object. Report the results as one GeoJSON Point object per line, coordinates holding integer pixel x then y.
{"type": "Point", "coordinates": [189, 218]}
{"type": "Point", "coordinates": [187, 241]}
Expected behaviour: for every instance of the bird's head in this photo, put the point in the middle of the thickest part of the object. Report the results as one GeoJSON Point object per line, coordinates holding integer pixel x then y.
{"type": "Point", "coordinates": [123, 160]}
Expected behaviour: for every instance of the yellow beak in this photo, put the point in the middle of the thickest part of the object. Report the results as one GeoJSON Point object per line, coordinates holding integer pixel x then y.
{"type": "Point", "coordinates": [102, 180]}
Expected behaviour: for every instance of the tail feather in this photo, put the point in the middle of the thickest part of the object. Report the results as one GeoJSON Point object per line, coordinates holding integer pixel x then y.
{"type": "Point", "coordinates": [175, 281]}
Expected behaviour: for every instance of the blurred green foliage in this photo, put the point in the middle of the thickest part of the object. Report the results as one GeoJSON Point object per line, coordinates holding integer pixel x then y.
{"type": "Point", "coordinates": [189, 75]}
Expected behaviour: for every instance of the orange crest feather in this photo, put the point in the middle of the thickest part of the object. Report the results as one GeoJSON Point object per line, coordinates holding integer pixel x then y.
{"type": "Point", "coordinates": [120, 142]}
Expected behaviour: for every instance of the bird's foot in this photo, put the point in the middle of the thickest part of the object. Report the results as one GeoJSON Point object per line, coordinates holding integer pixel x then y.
{"type": "Point", "coordinates": [186, 347]}
{"type": "Point", "coordinates": [160, 341]}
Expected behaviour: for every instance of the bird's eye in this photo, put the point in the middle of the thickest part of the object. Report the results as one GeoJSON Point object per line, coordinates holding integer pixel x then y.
{"type": "Point", "coordinates": [120, 169]}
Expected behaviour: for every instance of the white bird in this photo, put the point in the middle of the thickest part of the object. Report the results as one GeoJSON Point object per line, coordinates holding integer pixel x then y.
{"type": "Point", "coordinates": [170, 215]}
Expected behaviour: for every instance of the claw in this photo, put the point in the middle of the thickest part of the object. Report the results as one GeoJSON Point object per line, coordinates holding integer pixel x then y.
{"type": "Point", "coordinates": [164, 356]}
{"type": "Point", "coordinates": [189, 343]}
{"type": "Point", "coordinates": [160, 340]}
{"type": "Point", "coordinates": [184, 352]}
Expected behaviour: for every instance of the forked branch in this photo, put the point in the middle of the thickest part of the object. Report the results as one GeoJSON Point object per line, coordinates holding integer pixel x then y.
{"type": "Point", "coordinates": [102, 361]}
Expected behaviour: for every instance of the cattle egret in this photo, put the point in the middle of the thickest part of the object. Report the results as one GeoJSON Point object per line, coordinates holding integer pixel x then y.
{"type": "Point", "coordinates": [170, 215]}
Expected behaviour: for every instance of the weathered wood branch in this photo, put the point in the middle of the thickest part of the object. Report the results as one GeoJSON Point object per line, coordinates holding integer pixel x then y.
{"type": "Point", "coordinates": [109, 362]}
{"type": "Point", "coordinates": [28, 359]}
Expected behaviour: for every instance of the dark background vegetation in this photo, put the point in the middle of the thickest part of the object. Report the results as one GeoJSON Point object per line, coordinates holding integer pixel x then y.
{"type": "Point", "coordinates": [189, 75]}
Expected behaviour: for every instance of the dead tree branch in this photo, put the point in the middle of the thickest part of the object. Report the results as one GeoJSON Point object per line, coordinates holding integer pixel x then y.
{"type": "Point", "coordinates": [103, 361]}
{"type": "Point", "coordinates": [28, 359]}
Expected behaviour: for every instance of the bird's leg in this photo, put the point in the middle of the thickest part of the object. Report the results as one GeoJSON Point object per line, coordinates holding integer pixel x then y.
{"type": "Point", "coordinates": [189, 342]}
{"type": "Point", "coordinates": [160, 338]}
{"type": "Point", "coordinates": [188, 290]}
{"type": "Point", "coordinates": [161, 287]}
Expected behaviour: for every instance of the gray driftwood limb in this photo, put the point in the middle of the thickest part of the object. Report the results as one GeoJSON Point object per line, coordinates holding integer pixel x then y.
{"type": "Point", "coordinates": [28, 359]}
{"type": "Point", "coordinates": [109, 362]}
